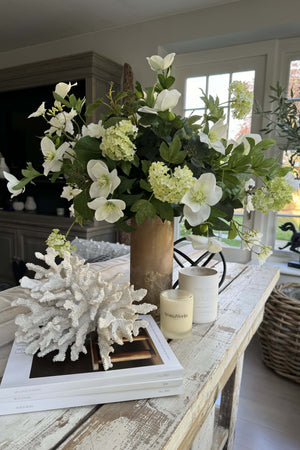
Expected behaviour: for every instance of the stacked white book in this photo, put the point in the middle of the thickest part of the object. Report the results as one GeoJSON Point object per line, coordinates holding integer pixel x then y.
{"type": "Point", "coordinates": [144, 368]}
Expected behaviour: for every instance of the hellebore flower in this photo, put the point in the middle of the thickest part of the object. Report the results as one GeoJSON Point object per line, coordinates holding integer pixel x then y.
{"type": "Point", "coordinates": [12, 181]}
{"type": "Point", "coordinates": [158, 63]}
{"type": "Point", "coordinates": [213, 139]}
{"type": "Point", "coordinates": [198, 200]}
{"type": "Point", "coordinates": [109, 210]}
{"type": "Point", "coordinates": [104, 182]}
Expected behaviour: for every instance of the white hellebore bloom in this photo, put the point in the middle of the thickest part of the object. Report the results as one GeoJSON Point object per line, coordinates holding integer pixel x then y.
{"type": "Point", "coordinates": [95, 130]}
{"type": "Point", "coordinates": [12, 181]}
{"type": "Point", "coordinates": [109, 210]}
{"type": "Point", "coordinates": [158, 63]}
{"type": "Point", "coordinates": [198, 200]}
{"type": "Point", "coordinates": [104, 182]}
{"type": "Point", "coordinates": [53, 157]}
{"type": "Point", "coordinates": [206, 243]}
{"type": "Point", "coordinates": [242, 139]}
{"type": "Point", "coordinates": [69, 192]}
{"type": "Point", "coordinates": [63, 89]}
{"type": "Point", "coordinates": [39, 112]}
{"type": "Point", "coordinates": [213, 139]}
{"type": "Point", "coordinates": [165, 101]}
{"type": "Point", "coordinates": [62, 122]}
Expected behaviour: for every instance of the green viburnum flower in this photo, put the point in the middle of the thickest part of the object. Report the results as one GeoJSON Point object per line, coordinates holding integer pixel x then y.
{"type": "Point", "coordinates": [241, 99]}
{"type": "Point", "coordinates": [273, 196]}
{"type": "Point", "coordinates": [116, 143]}
{"type": "Point", "coordinates": [59, 242]}
{"type": "Point", "coordinates": [251, 238]}
{"type": "Point", "coordinates": [265, 252]}
{"type": "Point", "coordinates": [170, 187]}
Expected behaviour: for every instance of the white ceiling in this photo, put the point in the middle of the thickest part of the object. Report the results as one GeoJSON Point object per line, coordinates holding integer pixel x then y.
{"type": "Point", "coordinates": [31, 22]}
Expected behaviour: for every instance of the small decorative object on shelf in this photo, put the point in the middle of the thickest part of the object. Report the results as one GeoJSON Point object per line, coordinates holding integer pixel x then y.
{"type": "Point", "coordinates": [30, 204]}
{"type": "Point", "coordinates": [293, 243]}
{"type": "Point", "coordinates": [143, 162]}
{"type": "Point", "coordinates": [176, 313]}
{"type": "Point", "coordinates": [18, 205]}
{"type": "Point", "coordinates": [204, 284]}
{"type": "Point", "coordinates": [68, 300]}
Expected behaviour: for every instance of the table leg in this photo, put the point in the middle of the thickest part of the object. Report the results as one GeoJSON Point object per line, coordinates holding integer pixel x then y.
{"type": "Point", "coordinates": [229, 403]}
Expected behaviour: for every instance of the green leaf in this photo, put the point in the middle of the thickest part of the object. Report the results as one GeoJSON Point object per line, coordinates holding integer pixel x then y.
{"type": "Point", "coordinates": [81, 207]}
{"type": "Point", "coordinates": [264, 144]}
{"type": "Point", "coordinates": [172, 153]}
{"type": "Point", "coordinates": [87, 148]}
{"type": "Point", "coordinates": [220, 225]}
{"type": "Point", "coordinates": [61, 100]}
{"type": "Point", "coordinates": [232, 234]}
{"type": "Point", "coordinates": [126, 167]}
{"type": "Point", "coordinates": [145, 166]}
{"type": "Point", "coordinates": [93, 106]}
{"type": "Point", "coordinates": [143, 209]}
{"type": "Point", "coordinates": [146, 186]}
{"type": "Point", "coordinates": [164, 210]}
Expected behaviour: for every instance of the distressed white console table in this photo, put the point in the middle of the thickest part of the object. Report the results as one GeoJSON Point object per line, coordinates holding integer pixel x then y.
{"type": "Point", "coordinates": [212, 358]}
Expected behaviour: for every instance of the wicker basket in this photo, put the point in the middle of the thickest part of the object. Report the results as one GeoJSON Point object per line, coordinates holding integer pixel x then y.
{"type": "Point", "coordinates": [280, 331]}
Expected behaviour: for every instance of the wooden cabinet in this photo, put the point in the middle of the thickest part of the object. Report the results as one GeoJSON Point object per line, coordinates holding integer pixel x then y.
{"type": "Point", "coordinates": [22, 234]}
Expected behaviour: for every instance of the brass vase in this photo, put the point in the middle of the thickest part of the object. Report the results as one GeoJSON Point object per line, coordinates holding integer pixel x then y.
{"type": "Point", "coordinates": [151, 257]}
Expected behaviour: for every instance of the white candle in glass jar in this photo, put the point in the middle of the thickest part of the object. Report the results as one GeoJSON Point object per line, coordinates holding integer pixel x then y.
{"type": "Point", "coordinates": [176, 313]}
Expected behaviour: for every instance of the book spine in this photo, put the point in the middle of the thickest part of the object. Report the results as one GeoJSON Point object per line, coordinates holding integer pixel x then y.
{"type": "Point", "coordinates": [15, 395]}
{"type": "Point", "coordinates": [85, 400]}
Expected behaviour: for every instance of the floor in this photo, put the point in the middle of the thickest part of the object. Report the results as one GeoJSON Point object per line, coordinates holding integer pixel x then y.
{"type": "Point", "coordinates": [269, 407]}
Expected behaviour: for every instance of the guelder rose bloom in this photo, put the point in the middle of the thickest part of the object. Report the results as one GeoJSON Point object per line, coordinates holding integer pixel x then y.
{"type": "Point", "coordinates": [12, 181]}
{"type": "Point", "coordinates": [251, 238]}
{"type": "Point", "coordinates": [39, 112]}
{"type": "Point", "coordinates": [104, 182]}
{"type": "Point", "coordinates": [63, 89]}
{"type": "Point", "coordinates": [158, 63]}
{"type": "Point", "coordinates": [264, 254]}
{"type": "Point", "coordinates": [93, 130]}
{"type": "Point", "coordinates": [213, 139]}
{"type": "Point", "coordinates": [53, 156]}
{"type": "Point", "coordinates": [198, 200]}
{"type": "Point", "coordinates": [69, 192]}
{"type": "Point", "coordinates": [206, 243]}
{"type": "Point", "coordinates": [109, 210]}
{"type": "Point", "coordinates": [165, 101]}
{"type": "Point", "coordinates": [62, 122]}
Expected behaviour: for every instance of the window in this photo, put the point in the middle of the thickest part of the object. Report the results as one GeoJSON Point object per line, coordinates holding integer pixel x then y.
{"type": "Point", "coordinates": [215, 79]}
{"type": "Point", "coordinates": [291, 212]}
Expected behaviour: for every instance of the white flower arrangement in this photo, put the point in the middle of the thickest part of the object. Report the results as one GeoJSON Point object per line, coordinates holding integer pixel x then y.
{"type": "Point", "coordinates": [142, 160]}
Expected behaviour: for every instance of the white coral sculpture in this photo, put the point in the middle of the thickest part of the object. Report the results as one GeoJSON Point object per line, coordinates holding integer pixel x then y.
{"type": "Point", "coordinates": [68, 300]}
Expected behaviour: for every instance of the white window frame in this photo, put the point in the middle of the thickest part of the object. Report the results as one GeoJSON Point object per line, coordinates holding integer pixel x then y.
{"type": "Point", "coordinates": [288, 50]}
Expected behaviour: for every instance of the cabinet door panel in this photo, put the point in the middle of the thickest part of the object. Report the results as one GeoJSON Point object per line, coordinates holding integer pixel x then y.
{"type": "Point", "coordinates": [8, 252]}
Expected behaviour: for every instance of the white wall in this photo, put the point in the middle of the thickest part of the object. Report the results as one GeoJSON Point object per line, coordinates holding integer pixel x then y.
{"type": "Point", "coordinates": [235, 23]}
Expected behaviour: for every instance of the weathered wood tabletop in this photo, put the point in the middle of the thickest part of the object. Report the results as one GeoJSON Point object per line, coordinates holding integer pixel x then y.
{"type": "Point", "coordinates": [212, 359]}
